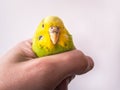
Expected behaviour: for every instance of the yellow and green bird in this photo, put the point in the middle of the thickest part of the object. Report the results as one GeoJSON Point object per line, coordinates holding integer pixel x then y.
{"type": "Point", "coordinates": [51, 37]}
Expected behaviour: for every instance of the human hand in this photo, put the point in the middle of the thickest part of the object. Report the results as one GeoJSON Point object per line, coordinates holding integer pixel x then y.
{"type": "Point", "coordinates": [20, 69]}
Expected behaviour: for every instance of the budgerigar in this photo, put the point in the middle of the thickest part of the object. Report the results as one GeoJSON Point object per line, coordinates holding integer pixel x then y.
{"type": "Point", "coordinates": [51, 37]}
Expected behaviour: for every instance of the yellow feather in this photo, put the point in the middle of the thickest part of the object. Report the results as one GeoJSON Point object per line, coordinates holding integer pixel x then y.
{"type": "Point", "coordinates": [42, 42]}
{"type": "Point", "coordinates": [48, 22]}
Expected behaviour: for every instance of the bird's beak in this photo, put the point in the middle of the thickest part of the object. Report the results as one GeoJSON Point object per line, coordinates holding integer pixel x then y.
{"type": "Point", "coordinates": [54, 34]}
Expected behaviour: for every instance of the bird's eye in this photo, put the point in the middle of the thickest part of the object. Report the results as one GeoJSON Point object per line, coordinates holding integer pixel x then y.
{"type": "Point", "coordinates": [40, 37]}
{"type": "Point", "coordinates": [42, 25]}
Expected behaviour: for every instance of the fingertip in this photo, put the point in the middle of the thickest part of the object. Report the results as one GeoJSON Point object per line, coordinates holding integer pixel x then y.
{"type": "Point", "coordinates": [90, 64]}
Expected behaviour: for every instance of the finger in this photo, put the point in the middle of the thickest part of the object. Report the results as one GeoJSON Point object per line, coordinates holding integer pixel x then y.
{"type": "Point", "coordinates": [21, 52]}
{"type": "Point", "coordinates": [26, 49]}
{"type": "Point", "coordinates": [90, 64]}
{"type": "Point", "coordinates": [70, 78]}
{"type": "Point", "coordinates": [73, 62]}
{"type": "Point", "coordinates": [63, 85]}
{"type": "Point", "coordinates": [64, 64]}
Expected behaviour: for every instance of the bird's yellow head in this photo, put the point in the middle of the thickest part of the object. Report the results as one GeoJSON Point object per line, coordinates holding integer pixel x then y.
{"type": "Point", "coordinates": [53, 26]}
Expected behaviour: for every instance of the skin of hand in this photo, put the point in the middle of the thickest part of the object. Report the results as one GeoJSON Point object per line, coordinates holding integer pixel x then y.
{"type": "Point", "coordinates": [20, 69]}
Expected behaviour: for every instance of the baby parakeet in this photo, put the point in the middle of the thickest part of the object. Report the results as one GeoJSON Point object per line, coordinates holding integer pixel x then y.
{"type": "Point", "coordinates": [51, 37]}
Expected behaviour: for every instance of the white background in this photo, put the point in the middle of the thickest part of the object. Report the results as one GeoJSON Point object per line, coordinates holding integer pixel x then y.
{"type": "Point", "coordinates": [94, 25]}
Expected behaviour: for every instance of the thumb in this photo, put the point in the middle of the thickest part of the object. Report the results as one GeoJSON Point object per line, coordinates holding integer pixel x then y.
{"type": "Point", "coordinates": [61, 66]}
